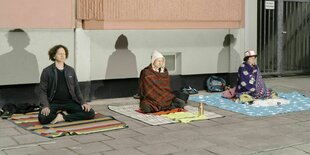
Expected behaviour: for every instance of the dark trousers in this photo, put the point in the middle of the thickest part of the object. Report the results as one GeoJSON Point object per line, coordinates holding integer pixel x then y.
{"type": "Point", "coordinates": [74, 110]}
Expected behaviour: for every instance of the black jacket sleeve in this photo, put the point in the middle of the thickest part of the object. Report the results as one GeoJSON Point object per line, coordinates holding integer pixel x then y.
{"type": "Point", "coordinates": [77, 90]}
{"type": "Point", "coordinates": [43, 89]}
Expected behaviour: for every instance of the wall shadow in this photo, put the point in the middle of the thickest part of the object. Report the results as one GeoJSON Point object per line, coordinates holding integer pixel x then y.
{"type": "Point", "coordinates": [228, 58]}
{"type": "Point", "coordinates": [18, 66]}
{"type": "Point", "coordinates": [122, 63]}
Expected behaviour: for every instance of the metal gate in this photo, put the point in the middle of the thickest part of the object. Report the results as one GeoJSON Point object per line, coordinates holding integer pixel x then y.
{"type": "Point", "coordinates": [284, 36]}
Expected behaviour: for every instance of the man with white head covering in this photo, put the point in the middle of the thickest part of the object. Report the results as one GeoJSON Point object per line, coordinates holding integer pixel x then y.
{"type": "Point", "coordinates": [154, 87]}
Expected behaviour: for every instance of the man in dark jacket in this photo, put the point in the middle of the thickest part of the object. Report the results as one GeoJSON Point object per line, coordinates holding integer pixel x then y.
{"type": "Point", "coordinates": [61, 97]}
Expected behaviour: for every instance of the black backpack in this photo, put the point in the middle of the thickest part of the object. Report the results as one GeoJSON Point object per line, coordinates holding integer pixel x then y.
{"type": "Point", "coordinates": [21, 108]}
{"type": "Point", "coordinates": [215, 84]}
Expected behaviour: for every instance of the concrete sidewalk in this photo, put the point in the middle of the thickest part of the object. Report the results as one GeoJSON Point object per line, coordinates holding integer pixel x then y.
{"type": "Point", "coordinates": [284, 134]}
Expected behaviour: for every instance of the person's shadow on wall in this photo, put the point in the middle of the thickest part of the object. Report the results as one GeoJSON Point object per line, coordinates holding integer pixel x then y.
{"type": "Point", "coordinates": [122, 63]}
{"type": "Point", "coordinates": [229, 58]}
{"type": "Point", "coordinates": [18, 66]}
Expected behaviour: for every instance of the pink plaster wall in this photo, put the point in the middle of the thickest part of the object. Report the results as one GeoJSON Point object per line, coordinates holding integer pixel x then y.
{"type": "Point", "coordinates": [122, 14]}
{"type": "Point", "coordinates": [37, 13]}
{"type": "Point", "coordinates": [148, 14]}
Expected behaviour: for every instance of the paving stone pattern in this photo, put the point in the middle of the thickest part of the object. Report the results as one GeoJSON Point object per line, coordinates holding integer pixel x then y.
{"type": "Point", "coordinates": [234, 134]}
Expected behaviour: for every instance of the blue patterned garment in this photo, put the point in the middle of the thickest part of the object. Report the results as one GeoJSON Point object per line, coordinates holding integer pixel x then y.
{"type": "Point", "coordinates": [251, 82]}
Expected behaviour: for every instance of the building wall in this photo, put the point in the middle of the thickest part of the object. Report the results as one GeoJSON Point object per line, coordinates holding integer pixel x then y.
{"type": "Point", "coordinates": [160, 14]}
{"type": "Point", "coordinates": [37, 14]}
{"type": "Point", "coordinates": [202, 51]}
{"type": "Point", "coordinates": [25, 54]}
{"type": "Point", "coordinates": [251, 24]}
{"type": "Point", "coordinates": [198, 47]}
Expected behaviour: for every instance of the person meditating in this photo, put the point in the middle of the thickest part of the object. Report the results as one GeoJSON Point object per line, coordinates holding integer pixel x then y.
{"type": "Point", "coordinates": [154, 87]}
{"type": "Point", "coordinates": [60, 94]}
{"type": "Point", "coordinates": [250, 80]}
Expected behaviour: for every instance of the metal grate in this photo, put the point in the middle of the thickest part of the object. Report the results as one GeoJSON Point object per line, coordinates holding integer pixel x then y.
{"type": "Point", "coordinates": [170, 62]}
{"type": "Point", "coordinates": [284, 48]}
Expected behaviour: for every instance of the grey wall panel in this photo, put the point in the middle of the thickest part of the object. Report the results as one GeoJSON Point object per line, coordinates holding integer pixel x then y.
{"type": "Point", "coordinates": [116, 56]}
{"type": "Point", "coordinates": [23, 55]}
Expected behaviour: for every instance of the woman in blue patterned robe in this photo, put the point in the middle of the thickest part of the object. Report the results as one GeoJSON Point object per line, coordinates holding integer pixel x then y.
{"type": "Point", "coordinates": [250, 80]}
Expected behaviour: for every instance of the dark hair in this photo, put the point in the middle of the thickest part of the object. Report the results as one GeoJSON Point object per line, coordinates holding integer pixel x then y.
{"type": "Point", "coordinates": [247, 58]}
{"type": "Point", "coordinates": [52, 52]}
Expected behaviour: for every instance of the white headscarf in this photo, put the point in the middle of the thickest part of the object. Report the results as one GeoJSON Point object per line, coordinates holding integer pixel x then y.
{"type": "Point", "coordinates": [155, 56]}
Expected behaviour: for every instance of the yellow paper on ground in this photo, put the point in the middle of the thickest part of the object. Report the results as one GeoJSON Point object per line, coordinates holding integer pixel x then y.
{"type": "Point", "coordinates": [184, 117]}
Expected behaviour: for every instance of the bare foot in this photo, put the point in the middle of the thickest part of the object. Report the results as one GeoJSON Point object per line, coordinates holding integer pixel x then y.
{"type": "Point", "coordinates": [59, 118]}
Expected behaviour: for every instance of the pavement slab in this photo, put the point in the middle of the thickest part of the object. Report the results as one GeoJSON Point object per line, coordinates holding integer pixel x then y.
{"type": "Point", "coordinates": [161, 148]}
{"type": "Point", "coordinates": [24, 150]}
{"type": "Point", "coordinates": [91, 138]}
{"type": "Point", "coordinates": [229, 149]}
{"type": "Point", "coordinates": [195, 143]}
{"type": "Point", "coordinates": [205, 123]}
{"type": "Point", "coordinates": [6, 124]}
{"type": "Point", "coordinates": [59, 144]}
{"type": "Point", "coordinates": [285, 151]}
{"type": "Point", "coordinates": [269, 143]}
{"type": "Point", "coordinates": [155, 139]}
{"type": "Point", "coordinates": [194, 152]}
{"type": "Point", "coordinates": [134, 124]}
{"type": "Point", "coordinates": [123, 143]}
{"type": "Point", "coordinates": [8, 132]}
{"type": "Point", "coordinates": [22, 131]}
{"type": "Point", "coordinates": [304, 137]}
{"type": "Point", "coordinates": [228, 120]}
{"type": "Point", "coordinates": [233, 134]}
{"type": "Point", "coordinates": [152, 130]}
{"type": "Point", "coordinates": [89, 148]}
{"type": "Point", "coordinates": [30, 139]}
{"type": "Point", "coordinates": [122, 133]}
{"type": "Point", "coordinates": [7, 142]}
{"type": "Point", "coordinates": [303, 147]}
{"type": "Point", "coordinates": [62, 151]}
{"type": "Point", "coordinates": [179, 126]}
{"type": "Point", "coordinates": [126, 151]}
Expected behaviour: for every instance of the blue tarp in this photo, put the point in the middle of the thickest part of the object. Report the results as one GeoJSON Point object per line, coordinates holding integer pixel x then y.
{"type": "Point", "coordinates": [297, 102]}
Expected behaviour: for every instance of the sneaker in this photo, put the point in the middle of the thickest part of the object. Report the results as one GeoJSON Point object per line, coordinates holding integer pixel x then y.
{"type": "Point", "coordinates": [6, 115]}
{"type": "Point", "coordinates": [189, 90]}
{"type": "Point", "coordinates": [136, 96]}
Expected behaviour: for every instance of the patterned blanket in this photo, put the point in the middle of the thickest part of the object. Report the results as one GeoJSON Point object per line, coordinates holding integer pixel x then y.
{"type": "Point", "coordinates": [297, 102]}
{"type": "Point", "coordinates": [155, 89]}
{"type": "Point", "coordinates": [151, 119]}
{"type": "Point", "coordinates": [100, 123]}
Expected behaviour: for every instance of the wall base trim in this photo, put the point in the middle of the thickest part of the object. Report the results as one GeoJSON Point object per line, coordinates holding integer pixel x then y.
{"type": "Point", "coordinates": [103, 89]}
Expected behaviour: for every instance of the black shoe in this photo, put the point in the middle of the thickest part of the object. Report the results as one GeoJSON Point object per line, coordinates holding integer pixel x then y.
{"type": "Point", "coordinates": [189, 90]}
